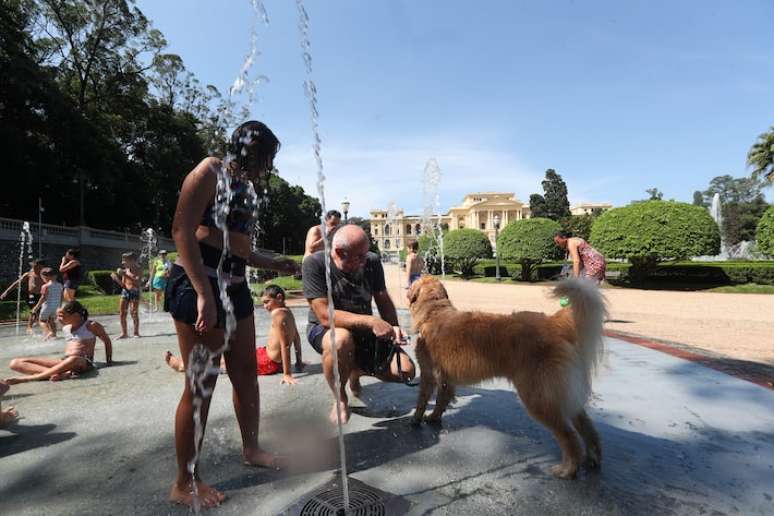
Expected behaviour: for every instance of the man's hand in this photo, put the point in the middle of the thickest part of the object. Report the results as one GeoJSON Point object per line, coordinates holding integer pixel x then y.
{"type": "Point", "coordinates": [382, 329]}
{"type": "Point", "coordinates": [288, 380]}
{"type": "Point", "coordinates": [400, 339]}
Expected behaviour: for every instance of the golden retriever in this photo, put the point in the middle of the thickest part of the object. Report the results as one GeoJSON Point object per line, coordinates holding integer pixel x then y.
{"type": "Point", "coordinates": [550, 359]}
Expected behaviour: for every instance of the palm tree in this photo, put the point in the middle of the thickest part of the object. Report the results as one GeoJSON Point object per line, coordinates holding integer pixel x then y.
{"type": "Point", "coordinates": [761, 155]}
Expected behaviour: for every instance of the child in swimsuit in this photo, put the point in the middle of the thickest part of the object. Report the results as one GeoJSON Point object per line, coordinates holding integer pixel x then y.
{"type": "Point", "coordinates": [129, 277]}
{"type": "Point", "coordinates": [79, 352]}
{"type": "Point", "coordinates": [50, 299]}
{"type": "Point", "coordinates": [34, 286]}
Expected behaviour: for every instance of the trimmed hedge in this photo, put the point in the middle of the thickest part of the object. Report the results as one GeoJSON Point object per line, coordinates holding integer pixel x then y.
{"type": "Point", "coordinates": [529, 242]}
{"type": "Point", "coordinates": [102, 280]}
{"type": "Point", "coordinates": [764, 234]}
{"type": "Point", "coordinates": [464, 247]}
{"type": "Point", "coordinates": [656, 231]}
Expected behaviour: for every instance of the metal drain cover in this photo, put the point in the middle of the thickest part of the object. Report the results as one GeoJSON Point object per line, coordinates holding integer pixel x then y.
{"type": "Point", "coordinates": [364, 500]}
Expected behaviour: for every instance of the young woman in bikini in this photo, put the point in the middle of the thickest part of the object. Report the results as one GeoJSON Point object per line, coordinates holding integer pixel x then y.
{"type": "Point", "coordinates": [193, 299]}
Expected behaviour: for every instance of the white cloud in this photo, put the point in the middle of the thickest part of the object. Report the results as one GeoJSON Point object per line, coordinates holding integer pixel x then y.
{"type": "Point", "coordinates": [374, 174]}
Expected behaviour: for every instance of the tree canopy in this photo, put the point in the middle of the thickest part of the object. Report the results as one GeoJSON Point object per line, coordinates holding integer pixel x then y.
{"type": "Point", "coordinates": [765, 233]}
{"type": "Point", "coordinates": [529, 242]}
{"type": "Point", "coordinates": [553, 204]}
{"type": "Point", "coordinates": [91, 106]}
{"type": "Point", "coordinates": [464, 247]}
{"type": "Point", "coordinates": [761, 156]}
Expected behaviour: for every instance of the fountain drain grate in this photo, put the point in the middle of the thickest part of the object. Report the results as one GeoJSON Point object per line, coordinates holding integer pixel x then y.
{"type": "Point", "coordinates": [364, 500]}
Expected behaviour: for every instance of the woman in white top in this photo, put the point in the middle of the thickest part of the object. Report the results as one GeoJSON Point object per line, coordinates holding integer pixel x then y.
{"type": "Point", "coordinates": [82, 336]}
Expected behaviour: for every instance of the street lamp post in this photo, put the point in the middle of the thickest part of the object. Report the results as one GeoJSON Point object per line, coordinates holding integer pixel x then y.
{"type": "Point", "coordinates": [497, 247]}
{"type": "Point", "coordinates": [345, 208]}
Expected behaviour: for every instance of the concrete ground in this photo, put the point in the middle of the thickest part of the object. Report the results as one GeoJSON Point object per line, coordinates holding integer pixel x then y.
{"type": "Point", "coordinates": [735, 326]}
{"type": "Point", "coordinates": [678, 439]}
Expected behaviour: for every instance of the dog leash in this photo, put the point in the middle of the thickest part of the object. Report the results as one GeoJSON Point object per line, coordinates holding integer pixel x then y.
{"type": "Point", "coordinates": [396, 351]}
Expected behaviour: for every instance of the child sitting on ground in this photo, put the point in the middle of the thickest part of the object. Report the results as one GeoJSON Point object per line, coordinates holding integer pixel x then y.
{"type": "Point", "coordinates": [275, 356]}
{"type": "Point", "coordinates": [50, 299]}
{"type": "Point", "coordinates": [81, 336]}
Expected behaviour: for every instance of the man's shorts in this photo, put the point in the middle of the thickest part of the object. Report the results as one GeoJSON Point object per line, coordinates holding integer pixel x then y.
{"type": "Point", "coordinates": [371, 354]}
{"type": "Point", "coordinates": [72, 284]}
{"type": "Point", "coordinates": [131, 294]}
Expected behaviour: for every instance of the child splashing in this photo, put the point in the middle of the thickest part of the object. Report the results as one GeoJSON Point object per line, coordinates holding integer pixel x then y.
{"type": "Point", "coordinates": [81, 335]}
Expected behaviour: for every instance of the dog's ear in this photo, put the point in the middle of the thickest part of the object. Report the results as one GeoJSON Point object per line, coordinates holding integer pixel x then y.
{"type": "Point", "coordinates": [413, 292]}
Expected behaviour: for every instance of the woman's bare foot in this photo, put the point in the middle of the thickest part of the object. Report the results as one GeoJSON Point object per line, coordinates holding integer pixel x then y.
{"type": "Point", "coordinates": [343, 411]}
{"type": "Point", "coordinates": [15, 380]}
{"type": "Point", "coordinates": [263, 459]}
{"type": "Point", "coordinates": [123, 336]}
{"type": "Point", "coordinates": [207, 496]}
{"type": "Point", "coordinates": [62, 376]}
{"type": "Point", "coordinates": [49, 336]}
{"type": "Point", "coordinates": [174, 362]}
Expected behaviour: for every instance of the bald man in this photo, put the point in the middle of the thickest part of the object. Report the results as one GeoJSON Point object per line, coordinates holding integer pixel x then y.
{"type": "Point", "coordinates": [366, 344]}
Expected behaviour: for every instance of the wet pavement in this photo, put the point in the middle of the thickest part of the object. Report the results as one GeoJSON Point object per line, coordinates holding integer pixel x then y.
{"type": "Point", "coordinates": [678, 438]}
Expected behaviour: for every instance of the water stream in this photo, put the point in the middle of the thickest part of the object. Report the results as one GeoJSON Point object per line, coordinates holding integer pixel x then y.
{"type": "Point", "coordinates": [25, 244]}
{"type": "Point", "coordinates": [431, 213]}
{"type": "Point", "coordinates": [310, 90]}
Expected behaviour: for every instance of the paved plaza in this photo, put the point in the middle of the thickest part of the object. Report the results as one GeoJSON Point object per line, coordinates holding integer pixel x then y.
{"type": "Point", "coordinates": [678, 439]}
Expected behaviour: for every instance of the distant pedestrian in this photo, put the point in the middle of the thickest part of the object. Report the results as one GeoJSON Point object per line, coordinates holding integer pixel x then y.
{"type": "Point", "coordinates": [129, 276]}
{"type": "Point", "coordinates": [72, 273]}
{"type": "Point", "coordinates": [587, 262]}
{"type": "Point", "coordinates": [314, 237]}
{"type": "Point", "coordinates": [160, 274]}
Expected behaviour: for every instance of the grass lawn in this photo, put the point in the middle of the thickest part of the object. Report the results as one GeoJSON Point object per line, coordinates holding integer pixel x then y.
{"type": "Point", "coordinates": [288, 283]}
{"type": "Point", "coordinates": [749, 288]}
{"type": "Point", "coordinates": [89, 296]}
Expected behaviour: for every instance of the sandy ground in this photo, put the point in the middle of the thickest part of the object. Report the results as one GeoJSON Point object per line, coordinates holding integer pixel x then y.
{"type": "Point", "coordinates": [739, 326]}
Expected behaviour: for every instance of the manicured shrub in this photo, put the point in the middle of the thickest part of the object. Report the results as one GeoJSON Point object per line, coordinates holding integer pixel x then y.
{"type": "Point", "coordinates": [764, 234]}
{"type": "Point", "coordinates": [529, 242]}
{"type": "Point", "coordinates": [102, 280]}
{"type": "Point", "coordinates": [648, 232]}
{"type": "Point", "coordinates": [464, 247]}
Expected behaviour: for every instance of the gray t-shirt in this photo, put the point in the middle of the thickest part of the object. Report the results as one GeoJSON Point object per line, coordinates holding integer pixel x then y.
{"type": "Point", "coordinates": [352, 292]}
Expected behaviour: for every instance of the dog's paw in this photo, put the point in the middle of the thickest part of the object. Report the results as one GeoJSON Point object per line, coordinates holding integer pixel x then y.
{"type": "Point", "coordinates": [593, 459]}
{"type": "Point", "coordinates": [565, 471]}
{"type": "Point", "coordinates": [433, 420]}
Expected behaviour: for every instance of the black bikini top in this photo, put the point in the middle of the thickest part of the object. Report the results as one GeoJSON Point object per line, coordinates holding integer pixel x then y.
{"type": "Point", "coordinates": [243, 207]}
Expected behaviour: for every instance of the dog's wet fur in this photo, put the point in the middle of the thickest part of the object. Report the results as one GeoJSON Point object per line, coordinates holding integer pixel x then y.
{"type": "Point", "coordinates": [550, 359]}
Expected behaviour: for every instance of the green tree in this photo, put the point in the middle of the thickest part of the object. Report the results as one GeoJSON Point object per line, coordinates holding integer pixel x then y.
{"type": "Point", "coordinates": [537, 206]}
{"type": "Point", "coordinates": [765, 233]}
{"type": "Point", "coordinates": [655, 194]}
{"type": "Point", "coordinates": [529, 242]}
{"type": "Point", "coordinates": [761, 156]}
{"type": "Point", "coordinates": [579, 225]}
{"type": "Point", "coordinates": [285, 215]}
{"type": "Point", "coordinates": [698, 199]}
{"type": "Point", "coordinates": [430, 249]}
{"type": "Point", "coordinates": [651, 231]}
{"type": "Point", "coordinates": [742, 204]}
{"type": "Point", "coordinates": [555, 194]}
{"type": "Point", "coordinates": [464, 247]}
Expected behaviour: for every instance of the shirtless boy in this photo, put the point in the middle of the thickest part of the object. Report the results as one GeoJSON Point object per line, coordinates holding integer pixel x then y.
{"type": "Point", "coordinates": [275, 356]}
{"type": "Point", "coordinates": [129, 277]}
{"type": "Point", "coordinates": [34, 285]}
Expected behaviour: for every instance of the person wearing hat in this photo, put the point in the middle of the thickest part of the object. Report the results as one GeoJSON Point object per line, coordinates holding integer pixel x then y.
{"type": "Point", "coordinates": [160, 274]}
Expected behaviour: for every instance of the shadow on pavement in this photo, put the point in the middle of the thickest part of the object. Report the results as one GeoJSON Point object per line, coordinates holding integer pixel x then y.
{"type": "Point", "coordinates": [25, 438]}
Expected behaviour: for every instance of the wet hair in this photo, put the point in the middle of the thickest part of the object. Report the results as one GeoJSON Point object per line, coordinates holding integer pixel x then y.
{"type": "Point", "coordinates": [73, 251]}
{"type": "Point", "coordinates": [130, 254]}
{"type": "Point", "coordinates": [48, 271]}
{"type": "Point", "coordinates": [38, 261]}
{"type": "Point", "coordinates": [74, 307]}
{"type": "Point", "coordinates": [256, 135]}
{"type": "Point", "coordinates": [273, 291]}
{"type": "Point", "coordinates": [331, 214]}
{"type": "Point", "coordinates": [563, 234]}
{"type": "Point", "coordinates": [413, 245]}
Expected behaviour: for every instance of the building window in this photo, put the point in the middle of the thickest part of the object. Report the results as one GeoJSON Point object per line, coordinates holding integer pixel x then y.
{"type": "Point", "coordinates": [483, 225]}
{"type": "Point", "coordinates": [376, 231]}
{"type": "Point", "coordinates": [387, 229]}
{"type": "Point", "coordinates": [417, 229]}
{"type": "Point", "coordinates": [408, 229]}
{"type": "Point", "coordinates": [386, 244]}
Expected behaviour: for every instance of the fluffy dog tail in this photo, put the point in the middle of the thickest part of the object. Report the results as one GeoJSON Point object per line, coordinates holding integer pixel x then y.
{"type": "Point", "coordinates": [589, 312]}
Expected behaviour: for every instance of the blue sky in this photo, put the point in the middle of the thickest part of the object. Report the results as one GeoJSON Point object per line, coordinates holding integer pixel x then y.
{"type": "Point", "coordinates": [616, 96]}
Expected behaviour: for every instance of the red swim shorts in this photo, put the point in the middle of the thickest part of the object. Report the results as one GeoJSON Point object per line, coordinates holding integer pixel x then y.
{"type": "Point", "coordinates": [266, 365]}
